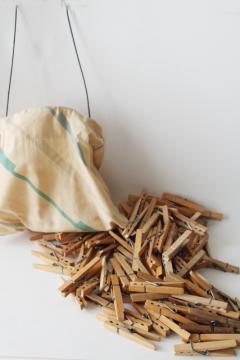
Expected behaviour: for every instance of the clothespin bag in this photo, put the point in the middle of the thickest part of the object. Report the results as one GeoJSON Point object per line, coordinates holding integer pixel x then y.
{"type": "Point", "coordinates": [49, 178]}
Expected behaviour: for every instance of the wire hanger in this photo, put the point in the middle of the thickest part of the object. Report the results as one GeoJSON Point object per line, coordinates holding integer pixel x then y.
{"type": "Point", "coordinates": [13, 53]}
{"type": "Point", "coordinates": [78, 59]}
{"type": "Point", "coordinates": [67, 7]}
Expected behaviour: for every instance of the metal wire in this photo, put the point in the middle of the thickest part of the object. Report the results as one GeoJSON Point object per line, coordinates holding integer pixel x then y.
{"type": "Point", "coordinates": [78, 59]}
{"type": "Point", "coordinates": [75, 48]}
{"type": "Point", "coordinates": [12, 61]}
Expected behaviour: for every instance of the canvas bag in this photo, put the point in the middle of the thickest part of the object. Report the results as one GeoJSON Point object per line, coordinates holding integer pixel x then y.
{"type": "Point", "coordinates": [49, 178]}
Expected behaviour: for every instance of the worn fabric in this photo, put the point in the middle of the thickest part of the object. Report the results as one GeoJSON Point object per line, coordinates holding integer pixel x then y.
{"type": "Point", "coordinates": [49, 178]}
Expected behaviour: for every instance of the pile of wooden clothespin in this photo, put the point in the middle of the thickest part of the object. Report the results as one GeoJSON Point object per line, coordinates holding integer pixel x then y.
{"type": "Point", "coordinates": [145, 277]}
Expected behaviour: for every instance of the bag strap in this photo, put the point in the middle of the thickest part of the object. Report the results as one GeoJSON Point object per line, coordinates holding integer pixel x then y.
{"type": "Point", "coordinates": [76, 52]}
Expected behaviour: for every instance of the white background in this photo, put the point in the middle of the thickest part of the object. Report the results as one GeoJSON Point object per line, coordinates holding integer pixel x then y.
{"type": "Point", "coordinates": [164, 82]}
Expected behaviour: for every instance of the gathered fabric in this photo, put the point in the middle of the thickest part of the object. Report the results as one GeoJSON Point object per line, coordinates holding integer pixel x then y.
{"type": "Point", "coordinates": [49, 177]}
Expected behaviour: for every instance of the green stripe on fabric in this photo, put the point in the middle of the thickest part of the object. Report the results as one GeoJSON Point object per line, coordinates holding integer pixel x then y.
{"type": "Point", "coordinates": [61, 118]}
{"type": "Point", "coordinates": [10, 166]}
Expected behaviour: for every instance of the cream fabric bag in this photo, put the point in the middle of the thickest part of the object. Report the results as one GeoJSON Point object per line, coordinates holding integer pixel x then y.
{"type": "Point", "coordinates": [49, 178]}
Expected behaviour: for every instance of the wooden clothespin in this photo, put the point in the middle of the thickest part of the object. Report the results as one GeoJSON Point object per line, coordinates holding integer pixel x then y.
{"type": "Point", "coordinates": [215, 337]}
{"type": "Point", "coordinates": [192, 263]}
{"type": "Point", "coordinates": [118, 301]}
{"type": "Point", "coordinates": [177, 245]}
{"type": "Point", "coordinates": [203, 348]}
{"type": "Point", "coordinates": [167, 224]}
{"type": "Point", "coordinates": [125, 265]}
{"type": "Point", "coordinates": [183, 202]}
{"type": "Point", "coordinates": [137, 248]}
{"type": "Point", "coordinates": [159, 308]}
{"type": "Point", "coordinates": [131, 336]}
{"type": "Point", "coordinates": [121, 241]}
{"type": "Point", "coordinates": [103, 275]}
{"type": "Point", "coordinates": [210, 302]}
{"type": "Point", "coordinates": [172, 325]}
{"type": "Point", "coordinates": [72, 284]}
{"type": "Point", "coordinates": [120, 273]}
{"type": "Point", "coordinates": [154, 288]}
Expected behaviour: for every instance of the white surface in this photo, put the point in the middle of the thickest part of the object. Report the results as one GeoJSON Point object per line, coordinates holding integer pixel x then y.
{"type": "Point", "coordinates": [164, 81]}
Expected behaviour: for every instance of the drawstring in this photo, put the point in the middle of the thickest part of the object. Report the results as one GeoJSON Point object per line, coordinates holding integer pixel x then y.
{"type": "Point", "coordinates": [13, 52]}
